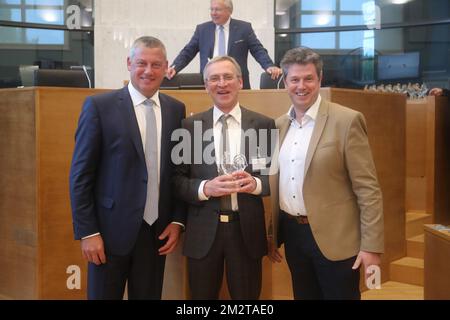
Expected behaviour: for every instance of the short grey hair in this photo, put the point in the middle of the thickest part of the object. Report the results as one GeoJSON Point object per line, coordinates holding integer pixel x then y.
{"type": "Point", "coordinates": [302, 56]}
{"type": "Point", "coordinates": [228, 4]}
{"type": "Point", "coordinates": [148, 42]}
{"type": "Point", "coordinates": [220, 59]}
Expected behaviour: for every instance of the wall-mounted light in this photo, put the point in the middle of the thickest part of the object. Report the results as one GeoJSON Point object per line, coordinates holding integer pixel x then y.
{"type": "Point", "coordinates": [49, 16]}
{"type": "Point", "coordinates": [323, 19]}
{"type": "Point", "coordinates": [400, 1]}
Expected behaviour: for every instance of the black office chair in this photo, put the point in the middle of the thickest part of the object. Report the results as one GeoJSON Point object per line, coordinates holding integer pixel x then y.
{"type": "Point", "coordinates": [184, 81]}
{"type": "Point", "coordinates": [191, 81]}
{"type": "Point", "coordinates": [60, 78]}
{"type": "Point", "coordinates": [172, 84]}
{"type": "Point", "coordinates": [266, 82]}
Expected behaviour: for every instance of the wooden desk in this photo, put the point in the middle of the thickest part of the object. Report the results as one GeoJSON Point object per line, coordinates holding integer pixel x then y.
{"type": "Point", "coordinates": [437, 264]}
{"type": "Point", "coordinates": [37, 128]}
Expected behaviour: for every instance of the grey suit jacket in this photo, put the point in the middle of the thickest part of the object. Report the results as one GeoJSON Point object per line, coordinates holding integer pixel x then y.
{"type": "Point", "coordinates": [202, 218]}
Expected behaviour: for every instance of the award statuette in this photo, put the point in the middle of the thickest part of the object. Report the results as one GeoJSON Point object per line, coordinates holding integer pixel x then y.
{"type": "Point", "coordinates": [239, 163]}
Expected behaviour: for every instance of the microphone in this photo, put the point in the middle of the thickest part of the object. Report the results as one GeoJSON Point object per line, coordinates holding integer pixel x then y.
{"type": "Point", "coordinates": [279, 81]}
{"type": "Point", "coordinates": [85, 69]}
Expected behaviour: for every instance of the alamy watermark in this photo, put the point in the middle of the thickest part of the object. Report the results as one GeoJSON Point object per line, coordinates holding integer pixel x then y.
{"type": "Point", "coordinates": [73, 282]}
{"type": "Point", "coordinates": [374, 280]}
{"type": "Point", "coordinates": [198, 147]}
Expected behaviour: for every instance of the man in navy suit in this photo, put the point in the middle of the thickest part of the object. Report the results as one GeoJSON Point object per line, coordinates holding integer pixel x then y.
{"type": "Point", "coordinates": [123, 209]}
{"type": "Point", "coordinates": [224, 36]}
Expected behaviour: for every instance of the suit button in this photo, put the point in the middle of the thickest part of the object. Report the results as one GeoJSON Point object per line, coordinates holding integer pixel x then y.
{"type": "Point", "coordinates": [144, 180]}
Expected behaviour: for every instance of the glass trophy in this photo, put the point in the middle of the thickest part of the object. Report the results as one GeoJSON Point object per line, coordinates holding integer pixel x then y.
{"type": "Point", "coordinates": [228, 166]}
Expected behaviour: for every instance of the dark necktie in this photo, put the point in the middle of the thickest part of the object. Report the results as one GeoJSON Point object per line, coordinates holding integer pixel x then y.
{"type": "Point", "coordinates": [225, 201]}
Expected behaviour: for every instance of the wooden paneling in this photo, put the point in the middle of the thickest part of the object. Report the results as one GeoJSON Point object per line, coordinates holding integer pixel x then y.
{"type": "Point", "coordinates": [272, 103]}
{"type": "Point", "coordinates": [386, 124]}
{"type": "Point", "coordinates": [18, 227]}
{"type": "Point", "coordinates": [437, 257]}
{"type": "Point", "coordinates": [416, 138]}
{"type": "Point", "coordinates": [440, 168]}
{"type": "Point", "coordinates": [416, 194]}
{"type": "Point", "coordinates": [37, 140]}
{"type": "Point", "coordinates": [57, 115]}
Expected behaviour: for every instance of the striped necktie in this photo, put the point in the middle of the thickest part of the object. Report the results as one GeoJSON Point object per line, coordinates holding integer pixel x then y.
{"type": "Point", "coordinates": [225, 201]}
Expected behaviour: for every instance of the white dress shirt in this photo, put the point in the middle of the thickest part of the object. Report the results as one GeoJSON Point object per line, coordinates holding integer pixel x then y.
{"type": "Point", "coordinates": [138, 103]}
{"type": "Point", "coordinates": [293, 158]}
{"type": "Point", "coordinates": [226, 30]}
{"type": "Point", "coordinates": [234, 132]}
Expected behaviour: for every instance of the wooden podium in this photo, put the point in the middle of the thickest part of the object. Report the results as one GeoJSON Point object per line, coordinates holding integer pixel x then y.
{"type": "Point", "coordinates": [38, 255]}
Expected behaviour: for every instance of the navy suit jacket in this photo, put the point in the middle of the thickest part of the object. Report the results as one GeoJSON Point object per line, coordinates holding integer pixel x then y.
{"type": "Point", "coordinates": [108, 177]}
{"type": "Point", "coordinates": [242, 39]}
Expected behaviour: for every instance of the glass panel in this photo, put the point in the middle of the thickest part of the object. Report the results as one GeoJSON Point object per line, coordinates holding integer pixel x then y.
{"type": "Point", "coordinates": [45, 2]}
{"type": "Point", "coordinates": [316, 20]}
{"type": "Point", "coordinates": [413, 54]}
{"type": "Point", "coordinates": [351, 39]}
{"type": "Point", "coordinates": [42, 36]}
{"type": "Point", "coordinates": [10, 15]}
{"type": "Point", "coordinates": [46, 16]}
{"type": "Point", "coordinates": [78, 50]}
{"type": "Point", "coordinates": [9, 2]}
{"type": "Point", "coordinates": [412, 11]}
{"type": "Point", "coordinates": [323, 5]}
{"type": "Point", "coordinates": [353, 5]}
{"type": "Point", "coordinates": [352, 20]}
{"type": "Point", "coordinates": [10, 35]}
{"type": "Point", "coordinates": [323, 40]}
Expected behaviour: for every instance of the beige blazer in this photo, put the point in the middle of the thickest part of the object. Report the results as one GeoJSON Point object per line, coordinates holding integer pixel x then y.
{"type": "Point", "coordinates": [342, 197]}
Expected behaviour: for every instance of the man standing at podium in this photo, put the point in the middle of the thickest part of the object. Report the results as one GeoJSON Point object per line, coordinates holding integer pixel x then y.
{"type": "Point", "coordinates": [329, 212]}
{"type": "Point", "coordinates": [224, 36]}
{"type": "Point", "coordinates": [123, 209]}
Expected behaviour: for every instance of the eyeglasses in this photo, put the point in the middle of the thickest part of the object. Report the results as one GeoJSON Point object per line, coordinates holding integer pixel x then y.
{"type": "Point", "coordinates": [214, 79]}
{"type": "Point", "coordinates": [216, 9]}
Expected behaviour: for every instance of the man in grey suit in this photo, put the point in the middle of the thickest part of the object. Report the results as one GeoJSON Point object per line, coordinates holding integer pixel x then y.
{"type": "Point", "coordinates": [225, 223]}
{"type": "Point", "coordinates": [224, 36]}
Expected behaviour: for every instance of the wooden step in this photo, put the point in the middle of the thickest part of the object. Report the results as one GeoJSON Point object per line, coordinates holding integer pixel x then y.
{"type": "Point", "coordinates": [415, 247]}
{"type": "Point", "coordinates": [407, 270]}
{"type": "Point", "coordinates": [415, 221]}
{"type": "Point", "coordinates": [392, 290]}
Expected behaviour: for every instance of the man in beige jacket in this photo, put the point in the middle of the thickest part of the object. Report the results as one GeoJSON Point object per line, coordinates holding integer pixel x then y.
{"type": "Point", "coordinates": [327, 204]}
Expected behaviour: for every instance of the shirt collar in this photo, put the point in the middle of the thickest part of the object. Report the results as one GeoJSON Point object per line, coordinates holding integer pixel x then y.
{"type": "Point", "coordinates": [235, 114]}
{"type": "Point", "coordinates": [310, 113]}
{"type": "Point", "coordinates": [226, 25]}
{"type": "Point", "coordinates": [138, 98]}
